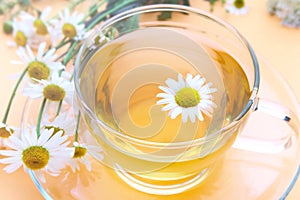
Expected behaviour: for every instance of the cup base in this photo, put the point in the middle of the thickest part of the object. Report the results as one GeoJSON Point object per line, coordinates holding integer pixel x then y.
{"type": "Point", "coordinates": [161, 187]}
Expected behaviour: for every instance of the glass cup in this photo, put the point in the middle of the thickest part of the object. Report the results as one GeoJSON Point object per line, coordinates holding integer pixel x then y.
{"type": "Point", "coordinates": [123, 66]}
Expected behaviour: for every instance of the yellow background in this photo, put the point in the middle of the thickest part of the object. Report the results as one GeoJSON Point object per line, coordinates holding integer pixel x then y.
{"type": "Point", "coordinates": [272, 41]}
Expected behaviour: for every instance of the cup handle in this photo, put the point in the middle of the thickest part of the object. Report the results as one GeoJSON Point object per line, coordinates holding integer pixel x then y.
{"type": "Point", "coordinates": [270, 145]}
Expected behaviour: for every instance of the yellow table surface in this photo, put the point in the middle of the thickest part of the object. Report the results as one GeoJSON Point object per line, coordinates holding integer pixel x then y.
{"type": "Point", "coordinates": [270, 40]}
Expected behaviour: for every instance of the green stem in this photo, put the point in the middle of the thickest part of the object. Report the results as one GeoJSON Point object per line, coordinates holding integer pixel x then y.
{"type": "Point", "coordinates": [13, 95]}
{"type": "Point", "coordinates": [72, 75]}
{"type": "Point", "coordinates": [62, 43]}
{"type": "Point", "coordinates": [77, 127]}
{"type": "Point", "coordinates": [70, 53]}
{"type": "Point", "coordinates": [93, 9]}
{"type": "Point", "coordinates": [59, 108]}
{"type": "Point", "coordinates": [107, 12]}
{"type": "Point", "coordinates": [38, 125]}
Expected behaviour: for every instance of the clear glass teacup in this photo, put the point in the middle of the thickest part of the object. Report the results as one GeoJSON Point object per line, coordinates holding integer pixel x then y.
{"type": "Point", "coordinates": [165, 90]}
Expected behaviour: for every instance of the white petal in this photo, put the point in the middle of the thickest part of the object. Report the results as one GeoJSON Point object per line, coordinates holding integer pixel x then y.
{"type": "Point", "coordinates": [189, 78]}
{"type": "Point", "coordinates": [15, 62]}
{"type": "Point", "coordinates": [181, 81]}
{"type": "Point", "coordinates": [196, 78]}
{"type": "Point", "coordinates": [208, 102]}
{"type": "Point", "coordinates": [192, 114]}
{"type": "Point", "coordinates": [56, 66]}
{"type": "Point", "coordinates": [167, 90]}
{"type": "Point", "coordinates": [206, 112]}
{"type": "Point", "coordinates": [165, 95]}
{"type": "Point", "coordinates": [29, 139]}
{"type": "Point", "coordinates": [173, 85]}
{"type": "Point", "coordinates": [10, 160]}
{"type": "Point", "coordinates": [206, 108]}
{"type": "Point", "coordinates": [212, 90]}
{"type": "Point", "coordinates": [23, 55]}
{"type": "Point", "coordinates": [199, 115]}
{"type": "Point", "coordinates": [13, 167]}
{"type": "Point", "coordinates": [199, 84]}
{"type": "Point", "coordinates": [9, 153]}
{"type": "Point", "coordinates": [184, 115]}
{"type": "Point", "coordinates": [33, 93]}
{"type": "Point", "coordinates": [45, 13]}
{"type": "Point", "coordinates": [44, 137]}
{"type": "Point", "coordinates": [169, 106]}
{"type": "Point", "coordinates": [175, 112]}
{"type": "Point", "coordinates": [67, 14]}
{"type": "Point", "coordinates": [41, 50]}
{"type": "Point", "coordinates": [30, 53]}
{"type": "Point", "coordinates": [164, 101]}
{"type": "Point", "coordinates": [206, 97]}
{"type": "Point", "coordinates": [15, 143]}
{"type": "Point", "coordinates": [11, 43]}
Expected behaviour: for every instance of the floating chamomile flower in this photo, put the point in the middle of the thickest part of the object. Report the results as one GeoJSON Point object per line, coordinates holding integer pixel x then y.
{"type": "Point", "coordinates": [56, 89]}
{"type": "Point", "coordinates": [69, 25]}
{"type": "Point", "coordinates": [237, 7]}
{"type": "Point", "coordinates": [81, 153]}
{"type": "Point", "coordinates": [190, 97]}
{"type": "Point", "coordinates": [62, 122]}
{"type": "Point", "coordinates": [40, 66]}
{"type": "Point", "coordinates": [5, 130]}
{"type": "Point", "coordinates": [48, 152]}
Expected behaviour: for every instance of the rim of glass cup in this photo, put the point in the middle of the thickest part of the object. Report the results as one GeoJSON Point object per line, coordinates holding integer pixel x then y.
{"type": "Point", "coordinates": [177, 8]}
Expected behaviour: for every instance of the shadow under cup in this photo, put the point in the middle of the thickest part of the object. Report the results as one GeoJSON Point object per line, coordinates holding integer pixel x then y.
{"type": "Point", "coordinates": [117, 77]}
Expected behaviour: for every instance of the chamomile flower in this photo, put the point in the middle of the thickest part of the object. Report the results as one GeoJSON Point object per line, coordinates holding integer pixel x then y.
{"type": "Point", "coordinates": [56, 89]}
{"type": "Point", "coordinates": [40, 66]}
{"type": "Point", "coordinates": [62, 122]}
{"type": "Point", "coordinates": [39, 23]}
{"type": "Point", "coordinates": [190, 97]}
{"type": "Point", "coordinates": [22, 33]}
{"type": "Point", "coordinates": [237, 7]}
{"type": "Point", "coordinates": [81, 153]}
{"type": "Point", "coordinates": [47, 152]}
{"type": "Point", "coordinates": [5, 130]}
{"type": "Point", "coordinates": [68, 25]}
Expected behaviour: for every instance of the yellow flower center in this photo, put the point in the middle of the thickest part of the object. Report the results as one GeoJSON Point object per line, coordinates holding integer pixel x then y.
{"type": "Point", "coordinates": [5, 133]}
{"type": "Point", "coordinates": [40, 26]}
{"type": "Point", "coordinates": [35, 157]}
{"type": "Point", "coordinates": [239, 4]}
{"type": "Point", "coordinates": [187, 97]}
{"type": "Point", "coordinates": [69, 30]}
{"type": "Point", "coordinates": [79, 152]}
{"type": "Point", "coordinates": [20, 38]}
{"type": "Point", "coordinates": [56, 129]}
{"type": "Point", "coordinates": [38, 70]}
{"type": "Point", "coordinates": [54, 92]}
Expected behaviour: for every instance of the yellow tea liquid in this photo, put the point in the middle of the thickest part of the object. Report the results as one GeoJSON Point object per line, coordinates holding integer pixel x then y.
{"type": "Point", "coordinates": [120, 83]}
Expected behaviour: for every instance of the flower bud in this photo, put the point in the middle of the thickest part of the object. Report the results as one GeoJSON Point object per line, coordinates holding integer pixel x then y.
{"type": "Point", "coordinates": [7, 27]}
